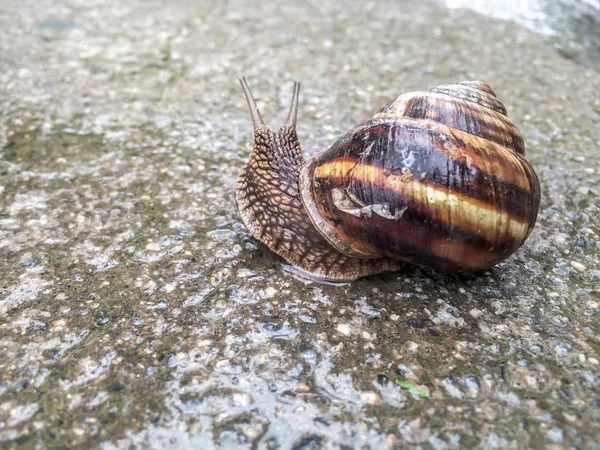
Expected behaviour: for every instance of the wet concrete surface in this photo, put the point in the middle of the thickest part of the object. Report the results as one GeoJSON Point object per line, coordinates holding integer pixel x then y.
{"type": "Point", "coordinates": [137, 312]}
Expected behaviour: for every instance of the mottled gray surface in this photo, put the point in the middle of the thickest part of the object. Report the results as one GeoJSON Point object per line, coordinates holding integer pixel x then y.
{"type": "Point", "coordinates": [137, 312]}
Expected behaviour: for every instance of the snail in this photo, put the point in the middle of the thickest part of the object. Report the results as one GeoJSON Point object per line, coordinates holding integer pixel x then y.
{"type": "Point", "coordinates": [437, 179]}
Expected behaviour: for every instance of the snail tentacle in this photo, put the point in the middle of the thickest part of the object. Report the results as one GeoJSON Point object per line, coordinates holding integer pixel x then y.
{"type": "Point", "coordinates": [257, 119]}
{"type": "Point", "coordinates": [293, 114]}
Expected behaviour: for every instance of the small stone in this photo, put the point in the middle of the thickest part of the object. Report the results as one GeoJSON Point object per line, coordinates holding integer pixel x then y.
{"type": "Point", "coordinates": [560, 239]}
{"type": "Point", "coordinates": [221, 363]}
{"type": "Point", "coordinates": [530, 381]}
{"type": "Point", "coordinates": [412, 346]}
{"type": "Point", "coordinates": [556, 434]}
{"type": "Point", "coordinates": [78, 431]}
{"type": "Point", "coordinates": [394, 317]}
{"type": "Point", "coordinates": [578, 266]}
{"type": "Point", "coordinates": [251, 432]}
{"type": "Point", "coordinates": [269, 292]}
{"type": "Point", "coordinates": [593, 361]}
{"type": "Point", "coordinates": [309, 355]}
{"type": "Point", "coordinates": [562, 348]}
{"type": "Point", "coordinates": [472, 384]}
{"type": "Point", "coordinates": [583, 190]}
{"type": "Point", "coordinates": [241, 398]}
{"type": "Point", "coordinates": [153, 247]}
{"type": "Point", "coordinates": [391, 440]}
{"type": "Point", "coordinates": [370, 397]}
{"type": "Point", "coordinates": [302, 388]}
{"type": "Point", "coordinates": [343, 328]}
{"type": "Point", "coordinates": [451, 387]}
{"type": "Point", "coordinates": [245, 273]}
{"type": "Point", "coordinates": [307, 317]}
{"type": "Point", "coordinates": [537, 349]}
{"type": "Point", "coordinates": [59, 323]}
{"type": "Point", "coordinates": [476, 313]}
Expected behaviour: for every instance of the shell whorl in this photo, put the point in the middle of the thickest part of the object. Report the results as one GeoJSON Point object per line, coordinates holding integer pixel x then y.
{"type": "Point", "coordinates": [470, 106]}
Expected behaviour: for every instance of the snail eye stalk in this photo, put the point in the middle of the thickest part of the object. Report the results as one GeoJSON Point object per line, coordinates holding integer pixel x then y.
{"type": "Point", "coordinates": [293, 114]}
{"type": "Point", "coordinates": [257, 119]}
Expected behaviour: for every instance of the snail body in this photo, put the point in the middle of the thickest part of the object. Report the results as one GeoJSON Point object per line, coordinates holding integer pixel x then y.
{"type": "Point", "coordinates": [436, 178]}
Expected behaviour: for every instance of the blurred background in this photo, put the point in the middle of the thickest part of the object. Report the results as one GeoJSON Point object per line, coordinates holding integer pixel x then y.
{"type": "Point", "coordinates": [571, 26]}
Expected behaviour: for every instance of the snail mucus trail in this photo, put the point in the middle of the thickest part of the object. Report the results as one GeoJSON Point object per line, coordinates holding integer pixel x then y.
{"type": "Point", "coordinates": [438, 179]}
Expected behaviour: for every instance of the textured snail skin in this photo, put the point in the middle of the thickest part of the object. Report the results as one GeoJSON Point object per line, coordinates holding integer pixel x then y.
{"type": "Point", "coordinates": [269, 204]}
{"type": "Point", "coordinates": [435, 178]}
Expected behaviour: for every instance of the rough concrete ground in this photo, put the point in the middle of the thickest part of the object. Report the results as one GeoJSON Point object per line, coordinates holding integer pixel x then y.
{"type": "Point", "coordinates": [137, 312]}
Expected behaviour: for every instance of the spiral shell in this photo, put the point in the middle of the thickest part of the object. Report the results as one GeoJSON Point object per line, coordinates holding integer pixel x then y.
{"type": "Point", "coordinates": [435, 178]}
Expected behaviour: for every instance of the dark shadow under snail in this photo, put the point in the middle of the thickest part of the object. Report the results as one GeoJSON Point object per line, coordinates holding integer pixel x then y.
{"type": "Point", "coordinates": [438, 179]}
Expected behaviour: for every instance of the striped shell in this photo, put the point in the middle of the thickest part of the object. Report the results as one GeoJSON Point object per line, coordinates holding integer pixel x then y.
{"type": "Point", "coordinates": [435, 178]}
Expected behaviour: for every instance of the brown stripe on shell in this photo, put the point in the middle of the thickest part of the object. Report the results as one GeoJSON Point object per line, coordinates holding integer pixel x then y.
{"type": "Point", "coordinates": [471, 94]}
{"type": "Point", "coordinates": [475, 185]}
{"type": "Point", "coordinates": [418, 239]}
{"type": "Point", "coordinates": [501, 161]}
{"type": "Point", "coordinates": [413, 236]}
{"type": "Point", "coordinates": [369, 185]}
{"type": "Point", "coordinates": [482, 86]}
{"type": "Point", "coordinates": [460, 114]}
{"type": "Point", "coordinates": [425, 146]}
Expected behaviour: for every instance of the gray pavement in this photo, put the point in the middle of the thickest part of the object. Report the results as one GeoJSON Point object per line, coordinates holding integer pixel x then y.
{"type": "Point", "coordinates": [136, 311]}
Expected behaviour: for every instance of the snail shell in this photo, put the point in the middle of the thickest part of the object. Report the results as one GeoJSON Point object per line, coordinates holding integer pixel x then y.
{"type": "Point", "coordinates": [436, 178]}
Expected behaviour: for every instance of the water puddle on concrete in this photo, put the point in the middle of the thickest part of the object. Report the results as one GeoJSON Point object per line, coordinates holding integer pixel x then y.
{"type": "Point", "coordinates": [31, 151]}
